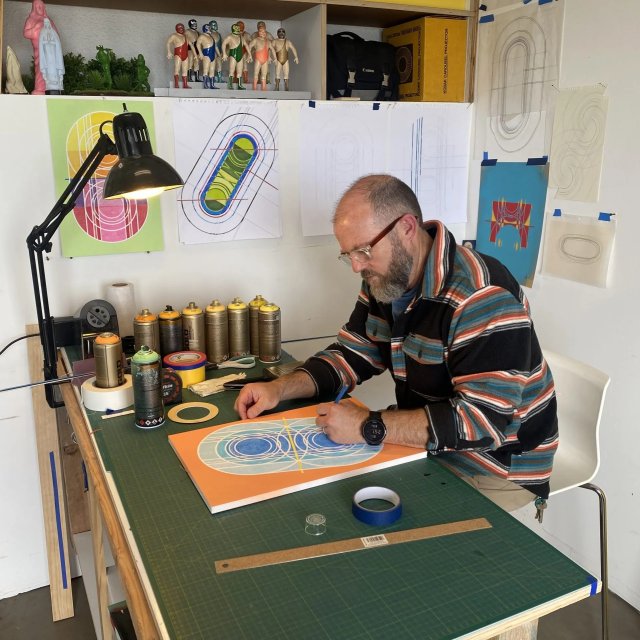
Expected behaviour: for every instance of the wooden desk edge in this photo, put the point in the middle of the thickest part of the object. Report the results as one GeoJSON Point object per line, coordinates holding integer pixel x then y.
{"type": "Point", "coordinates": [142, 614]}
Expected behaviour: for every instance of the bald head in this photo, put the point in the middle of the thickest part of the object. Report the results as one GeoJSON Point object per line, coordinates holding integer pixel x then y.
{"type": "Point", "coordinates": [388, 198]}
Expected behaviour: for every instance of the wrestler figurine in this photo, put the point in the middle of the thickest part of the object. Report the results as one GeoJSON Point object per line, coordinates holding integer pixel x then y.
{"type": "Point", "coordinates": [282, 46]}
{"type": "Point", "coordinates": [233, 49]}
{"type": "Point", "coordinates": [192, 35]}
{"type": "Point", "coordinates": [245, 43]}
{"type": "Point", "coordinates": [261, 23]}
{"type": "Point", "coordinates": [264, 53]}
{"type": "Point", "coordinates": [217, 42]}
{"type": "Point", "coordinates": [178, 49]}
{"type": "Point", "coordinates": [207, 53]}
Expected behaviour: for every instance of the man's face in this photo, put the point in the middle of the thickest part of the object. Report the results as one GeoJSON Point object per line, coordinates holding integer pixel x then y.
{"type": "Point", "coordinates": [390, 283]}
{"type": "Point", "coordinates": [262, 32]}
{"type": "Point", "coordinates": [281, 34]}
{"type": "Point", "coordinates": [180, 28]}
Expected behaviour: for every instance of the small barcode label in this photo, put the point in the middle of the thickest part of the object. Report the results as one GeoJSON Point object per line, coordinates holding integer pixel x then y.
{"type": "Point", "coordinates": [374, 541]}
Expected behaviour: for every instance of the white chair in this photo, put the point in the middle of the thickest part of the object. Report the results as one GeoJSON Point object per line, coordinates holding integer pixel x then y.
{"type": "Point", "coordinates": [580, 391]}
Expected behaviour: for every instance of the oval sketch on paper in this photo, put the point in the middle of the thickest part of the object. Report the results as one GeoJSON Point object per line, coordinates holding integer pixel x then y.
{"type": "Point", "coordinates": [517, 83]}
{"type": "Point", "coordinates": [579, 248]}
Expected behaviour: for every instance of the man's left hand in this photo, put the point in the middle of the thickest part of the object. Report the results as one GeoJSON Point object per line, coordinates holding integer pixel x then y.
{"type": "Point", "coordinates": [341, 422]}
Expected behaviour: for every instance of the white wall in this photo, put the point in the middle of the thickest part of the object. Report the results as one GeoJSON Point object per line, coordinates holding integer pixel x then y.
{"type": "Point", "coordinates": [595, 325]}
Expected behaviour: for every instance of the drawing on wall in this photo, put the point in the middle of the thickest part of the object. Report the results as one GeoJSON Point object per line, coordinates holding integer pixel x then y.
{"type": "Point", "coordinates": [98, 226]}
{"type": "Point", "coordinates": [518, 55]}
{"type": "Point", "coordinates": [510, 215]}
{"type": "Point", "coordinates": [428, 148]}
{"type": "Point", "coordinates": [338, 144]}
{"type": "Point", "coordinates": [227, 152]}
{"type": "Point", "coordinates": [578, 248]}
{"type": "Point", "coordinates": [578, 141]}
{"type": "Point", "coordinates": [243, 462]}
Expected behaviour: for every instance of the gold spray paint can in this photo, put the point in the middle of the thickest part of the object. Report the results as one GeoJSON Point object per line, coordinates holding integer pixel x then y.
{"type": "Point", "coordinates": [270, 332]}
{"type": "Point", "coordinates": [217, 332]}
{"type": "Point", "coordinates": [146, 331]}
{"type": "Point", "coordinates": [254, 330]}
{"type": "Point", "coordinates": [193, 328]}
{"type": "Point", "coordinates": [107, 350]}
{"type": "Point", "coordinates": [238, 313]}
{"type": "Point", "coordinates": [170, 331]}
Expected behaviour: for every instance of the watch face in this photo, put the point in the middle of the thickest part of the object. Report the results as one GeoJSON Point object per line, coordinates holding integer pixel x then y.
{"type": "Point", "coordinates": [374, 431]}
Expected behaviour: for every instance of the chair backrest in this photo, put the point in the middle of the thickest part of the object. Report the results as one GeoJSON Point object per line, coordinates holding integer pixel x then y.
{"type": "Point", "coordinates": [580, 391]}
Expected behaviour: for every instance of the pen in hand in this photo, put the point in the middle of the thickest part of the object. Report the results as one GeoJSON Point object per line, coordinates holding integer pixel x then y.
{"type": "Point", "coordinates": [341, 393]}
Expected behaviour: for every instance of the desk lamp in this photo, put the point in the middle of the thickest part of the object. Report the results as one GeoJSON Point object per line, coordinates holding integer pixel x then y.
{"type": "Point", "coordinates": [138, 174]}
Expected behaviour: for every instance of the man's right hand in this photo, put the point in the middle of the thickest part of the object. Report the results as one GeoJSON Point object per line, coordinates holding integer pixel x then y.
{"type": "Point", "coordinates": [256, 398]}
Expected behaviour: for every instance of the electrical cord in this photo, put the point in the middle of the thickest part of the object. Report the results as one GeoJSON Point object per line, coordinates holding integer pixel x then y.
{"type": "Point", "coordinates": [29, 335]}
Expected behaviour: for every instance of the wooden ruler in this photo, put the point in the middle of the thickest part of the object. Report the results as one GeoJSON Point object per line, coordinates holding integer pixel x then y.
{"type": "Point", "coordinates": [354, 544]}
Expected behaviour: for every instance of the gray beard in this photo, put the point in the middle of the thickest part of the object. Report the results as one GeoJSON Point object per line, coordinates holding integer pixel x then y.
{"type": "Point", "coordinates": [396, 282]}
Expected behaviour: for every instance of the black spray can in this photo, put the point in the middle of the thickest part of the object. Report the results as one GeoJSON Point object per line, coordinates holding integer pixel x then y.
{"type": "Point", "coordinates": [146, 373]}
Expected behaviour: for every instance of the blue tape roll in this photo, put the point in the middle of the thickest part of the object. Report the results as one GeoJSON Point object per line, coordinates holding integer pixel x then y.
{"type": "Point", "coordinates": [374, 517]}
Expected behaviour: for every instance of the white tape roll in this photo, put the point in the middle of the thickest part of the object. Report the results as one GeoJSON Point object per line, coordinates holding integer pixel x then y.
{"type": "Point", "coordinates": [99, 399]}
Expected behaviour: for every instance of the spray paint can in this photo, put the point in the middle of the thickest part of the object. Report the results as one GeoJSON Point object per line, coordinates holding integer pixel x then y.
{"type": "Point", "coordinates": [107, 350]}
{"type": "Point", "coordinates": [238, 328]}
{"type": "Point", "coordinates": [193, 328]}
{"type": "Point", "coordinates": [270, 332]}
{"type": "Point", "coordinates": [217, 331]}
{"type": "Point", "coordinates": [146, 373]}
{"type": "Point", "coordinates": [146, 331]}
{"type": "Point", "coordinates": [170, 331]}
{"type": "Point", "coordinates": [254, 329]}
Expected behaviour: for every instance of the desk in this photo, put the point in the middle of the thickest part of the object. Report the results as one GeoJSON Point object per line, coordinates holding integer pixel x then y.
{"type": "Point", "coordinates": [165, 542]}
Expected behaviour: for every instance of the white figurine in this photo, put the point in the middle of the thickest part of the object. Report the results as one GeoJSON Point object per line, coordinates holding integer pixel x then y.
{"type": "Point", "coordinates": [282, 46]}
{"type": "Point", "coordinates": [14, 82]}
{"type": "Point", "coordinates": [51, 62]}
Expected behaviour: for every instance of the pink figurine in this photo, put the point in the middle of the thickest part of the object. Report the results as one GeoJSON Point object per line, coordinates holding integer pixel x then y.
{"type": "Point", "coordinates": [31, 31]}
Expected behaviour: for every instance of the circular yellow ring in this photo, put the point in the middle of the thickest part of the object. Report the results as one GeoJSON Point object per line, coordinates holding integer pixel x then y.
{"type": "Point", "coordinates": [172, 414]}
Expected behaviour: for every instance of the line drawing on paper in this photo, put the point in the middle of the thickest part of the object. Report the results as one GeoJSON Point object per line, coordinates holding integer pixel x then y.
{"type": "Point", "coordinates": [578, 141]}
{"type": "Point", "coordinates": [231, 189]}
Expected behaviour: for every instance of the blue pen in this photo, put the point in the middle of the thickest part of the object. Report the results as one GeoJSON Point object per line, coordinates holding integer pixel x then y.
{"type": "Point", "coordinates": [341, 393]}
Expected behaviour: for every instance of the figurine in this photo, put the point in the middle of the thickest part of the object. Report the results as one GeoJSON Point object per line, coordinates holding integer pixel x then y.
{"type": "Point", "coordinates": [217, 41]}
{"type": "Point", "coordinates": [177, 48]}
{"type": "Point", "coordinates": [264, 53]}
{"type": "Point", "coordinates": [51, 62]}
{"type": "Point", "coordinates": [192, 35]}
{"type": "Point", "coordinates": [282, 46]}
{"type": "Point", "coordinates": [262, 24]}
{"type": "Point", "coordinates": [245, 43]}
{"type": "Point", "coordinates": [142, 75]}
{"type": "Point", "coordinates": [233, 49]}
{"type": "Point", "coordinates": [31, 31]}
{"type": "Point", "coordinates": [104, 58]}
{"type": "Point", "coordinates": [207, 53]}
{"type": "Point", "coordinates": [14, 82]}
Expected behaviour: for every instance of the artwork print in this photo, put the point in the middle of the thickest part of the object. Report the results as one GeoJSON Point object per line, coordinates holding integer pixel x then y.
{"type": "Point", "coordinates": [243, 462]}
{"type": "Point", "coordinates": [227, 153]}
{"type": "Point", "coordinates": [511, 214]}
{"type": "Point", "coordinates": [98, 226]}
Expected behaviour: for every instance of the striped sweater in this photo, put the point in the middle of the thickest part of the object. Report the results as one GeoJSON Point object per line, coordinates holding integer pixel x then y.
{"type": "Point", "coordinates": [466, 351]}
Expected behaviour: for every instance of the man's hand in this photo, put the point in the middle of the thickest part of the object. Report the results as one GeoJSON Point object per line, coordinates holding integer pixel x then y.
{"type": "Point", "coordinates": [341, 421]}
{"type": "Point", "coordinates": [256, 398]}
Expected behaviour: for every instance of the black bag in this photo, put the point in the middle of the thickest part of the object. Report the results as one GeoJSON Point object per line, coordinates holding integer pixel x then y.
{"type": "Point", "coordinates": [355, 63]}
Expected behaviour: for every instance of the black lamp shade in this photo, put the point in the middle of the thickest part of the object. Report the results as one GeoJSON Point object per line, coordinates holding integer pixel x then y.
{"type": "Point", "coordinates": [138, 174]}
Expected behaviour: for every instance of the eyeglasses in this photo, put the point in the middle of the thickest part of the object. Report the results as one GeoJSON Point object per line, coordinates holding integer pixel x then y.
{"type": "Point", "coordinates": [363, 254]}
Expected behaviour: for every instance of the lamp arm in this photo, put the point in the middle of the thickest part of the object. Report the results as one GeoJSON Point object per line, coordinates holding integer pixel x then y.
{"type": "Point", "coordinates": [39, 242]}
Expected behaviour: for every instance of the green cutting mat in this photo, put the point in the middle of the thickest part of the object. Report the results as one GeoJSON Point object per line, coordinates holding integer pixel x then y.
{"type": "Point", "coordinates": [431, 589]}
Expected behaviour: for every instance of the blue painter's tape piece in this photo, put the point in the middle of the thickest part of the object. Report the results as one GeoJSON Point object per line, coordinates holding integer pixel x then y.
{"type": "Point", "coordinates": [542, 160]}
{"type": "Point", "coordinates": [594, 586]}
{"type": "Point", "coordinates": [487, 161]}
{"type": "Point", "coordinates": [605, 216]}
{"type": "Point", "coordinates": [557, 213]}
{"type": "Point", "coordinates": [526, 1]}
{"type": "Point", "coordinates": [544, 1]}
{"type": "Point", "coordinates": [56, 500]}
{"type": "Point", "coordinates": [312, 104]}
{"type": "Point", "coordinates": [487, 18]}
{"type": "Point", "coordinates": [376, 106]}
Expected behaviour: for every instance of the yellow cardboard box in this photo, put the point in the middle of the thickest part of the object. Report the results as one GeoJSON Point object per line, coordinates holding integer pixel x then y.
{"type": "Point", "coordinates": [431, 58]}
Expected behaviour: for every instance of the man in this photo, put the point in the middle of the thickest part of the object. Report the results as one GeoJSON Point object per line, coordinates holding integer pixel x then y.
{"type": "Point", "coordinates": [454, 329]}
{"type": "Point", "coordinates": [192, 34]}
{"type": "Point", "coordinates": [263, 52]}
{"type": "Point", "coordinates": [282, 46]}
{"type": "Point", "coordinates": [233, 49]}
{"type": "Point", "coordinates": [217, 41]}
{"type": "Point", "coordinates": [207, 53]}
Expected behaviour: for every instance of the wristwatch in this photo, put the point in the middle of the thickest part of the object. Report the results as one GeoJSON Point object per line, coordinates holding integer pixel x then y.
{"type": "Point", "coordinates": [373, 429]}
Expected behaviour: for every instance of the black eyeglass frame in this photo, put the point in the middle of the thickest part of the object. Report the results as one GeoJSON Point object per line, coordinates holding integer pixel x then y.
{"type": "Point", "coordinates": [348, 256]}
